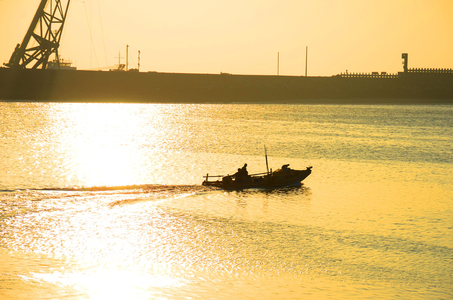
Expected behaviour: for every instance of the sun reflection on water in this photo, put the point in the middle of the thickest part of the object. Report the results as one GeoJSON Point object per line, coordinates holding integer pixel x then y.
{"type": "Point", "coordinates": [107, 144]}
{"type": "Point", "coordinates": [111, 283]}
{"type": "Point", "coordinates": [108, 251]}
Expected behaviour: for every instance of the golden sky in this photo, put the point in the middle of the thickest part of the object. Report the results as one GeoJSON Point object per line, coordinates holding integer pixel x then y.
{"type": "Point", "coordinates": [244, 36]}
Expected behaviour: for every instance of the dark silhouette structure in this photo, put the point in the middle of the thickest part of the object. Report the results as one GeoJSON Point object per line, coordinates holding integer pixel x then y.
{"type": "Point", "coordinates": [24, 80]}
{"type": "Point", "coordinates": [45, 31]}
{"type": "Point", "coordinates": [404, 56]}
{"type": "Point", "coordinates": [152, 87]}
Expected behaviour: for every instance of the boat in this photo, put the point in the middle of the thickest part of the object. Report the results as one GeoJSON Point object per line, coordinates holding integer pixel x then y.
{"type": "Point", "coordinates": [284, 177]}
{"type": "Point", "coordinates": [61, 64]}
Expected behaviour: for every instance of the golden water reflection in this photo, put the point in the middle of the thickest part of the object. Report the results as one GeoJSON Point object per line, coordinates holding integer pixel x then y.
{"type": "Point", "coordinates": [375, 223]}
{"type": "Point", "coordinates": [106, 144]}
{"type": "Point", "coordinates": [110, 283]}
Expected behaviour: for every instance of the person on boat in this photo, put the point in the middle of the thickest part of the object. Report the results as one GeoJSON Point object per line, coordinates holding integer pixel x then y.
{"type": "Point", "coordinates": [244, 170]}
{"type": "Point", "coordinates": [284, 171]}
{"type": "Point", "coordinates": [242, 173]}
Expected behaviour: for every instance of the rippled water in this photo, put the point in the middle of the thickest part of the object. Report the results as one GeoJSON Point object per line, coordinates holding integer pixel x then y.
{"type": "Point", "coordinates": [103, 201]}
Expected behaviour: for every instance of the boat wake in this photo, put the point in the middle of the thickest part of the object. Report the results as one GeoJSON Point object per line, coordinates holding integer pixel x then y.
{"type": "Point", "coordinates": [113, 195]}
{"type": "Point", "coordinates": [122, 188]}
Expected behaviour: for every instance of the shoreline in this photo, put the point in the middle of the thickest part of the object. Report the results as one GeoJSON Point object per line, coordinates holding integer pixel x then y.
{"type": "Point", "coordinates": [377, 102]}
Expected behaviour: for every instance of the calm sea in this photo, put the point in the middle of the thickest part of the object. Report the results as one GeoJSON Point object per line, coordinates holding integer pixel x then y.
{"type": "Point", "coordinates": [103, 201]}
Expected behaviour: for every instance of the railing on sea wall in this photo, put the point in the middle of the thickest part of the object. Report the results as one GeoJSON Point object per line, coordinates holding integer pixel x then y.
{"type": "Point", "coordinates": [368, 75]}
{"type": "Point", "coordinates": [430, 71]}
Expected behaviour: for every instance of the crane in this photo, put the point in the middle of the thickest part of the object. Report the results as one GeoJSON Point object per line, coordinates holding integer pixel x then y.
{"type": "Point", "coordinates": [42, 38]}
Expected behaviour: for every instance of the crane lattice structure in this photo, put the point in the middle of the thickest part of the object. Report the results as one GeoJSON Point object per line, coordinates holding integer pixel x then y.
{"type": "Point", "coordinates": [42, 38]}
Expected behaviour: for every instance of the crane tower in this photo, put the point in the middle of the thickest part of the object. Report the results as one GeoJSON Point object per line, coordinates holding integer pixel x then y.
{"type": "Point", "coordinates": [42, 38]}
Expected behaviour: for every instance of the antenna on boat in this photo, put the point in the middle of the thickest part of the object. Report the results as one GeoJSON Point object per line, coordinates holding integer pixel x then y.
{"type": "Point", "coordinates": [265, 155]}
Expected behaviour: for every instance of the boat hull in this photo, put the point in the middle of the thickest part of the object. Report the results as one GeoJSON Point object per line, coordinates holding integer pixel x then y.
{"type": "Point", "coordinates": [278, 179]}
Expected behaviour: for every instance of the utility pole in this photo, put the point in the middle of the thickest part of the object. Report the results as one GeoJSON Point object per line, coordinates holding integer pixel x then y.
{"type": "Point", "coordinates": [127, 57]}
{"type": "Point", "coordinates": [138, 60]}
{"type": "Point", "coordinates": [306, 60]}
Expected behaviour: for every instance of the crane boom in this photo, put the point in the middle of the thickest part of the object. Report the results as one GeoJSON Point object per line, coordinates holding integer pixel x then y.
{"type": "Point", "coordinates": [42, 38]}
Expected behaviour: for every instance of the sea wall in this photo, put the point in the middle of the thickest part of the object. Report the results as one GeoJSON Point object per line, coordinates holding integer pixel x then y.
{"type": "Point", "coordinates": [97, 86]}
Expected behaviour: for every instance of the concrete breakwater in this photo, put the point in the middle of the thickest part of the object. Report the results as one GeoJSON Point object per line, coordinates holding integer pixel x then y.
{"type": "Point", "coordinates": [153, 87]}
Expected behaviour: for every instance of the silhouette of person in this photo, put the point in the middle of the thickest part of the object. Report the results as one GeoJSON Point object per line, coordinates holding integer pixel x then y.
{"type": "Point", "coordinates": [244, 170]}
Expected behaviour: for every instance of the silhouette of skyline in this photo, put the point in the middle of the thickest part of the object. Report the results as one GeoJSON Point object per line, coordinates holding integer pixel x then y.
{"type": "Point", "coordinates": [244, 37]}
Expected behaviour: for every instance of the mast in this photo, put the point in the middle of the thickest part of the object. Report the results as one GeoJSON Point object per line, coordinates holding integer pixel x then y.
{"type": "Point", "coordinates": [45, 31]}
{"type": "Point", "coordinates": [265, 155]}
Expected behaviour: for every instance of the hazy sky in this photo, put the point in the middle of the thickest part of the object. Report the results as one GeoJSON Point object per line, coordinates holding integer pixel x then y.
{"type": "Point", "coordinates": [244, 36]}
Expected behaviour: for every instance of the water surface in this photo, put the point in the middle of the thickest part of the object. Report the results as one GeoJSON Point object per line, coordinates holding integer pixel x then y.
{"type": "Point", "coordinates": [104, 201]}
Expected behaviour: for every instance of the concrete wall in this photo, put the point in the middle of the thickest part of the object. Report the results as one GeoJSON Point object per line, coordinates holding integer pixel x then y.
{"type": "Point", "coordinates": [97, 86]}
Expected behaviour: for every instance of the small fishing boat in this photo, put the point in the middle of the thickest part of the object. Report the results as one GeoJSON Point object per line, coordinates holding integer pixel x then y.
{"type": "Point", "coordinates": [241, 180]}
{"type": "Point", "coordinates": [284, 177]}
